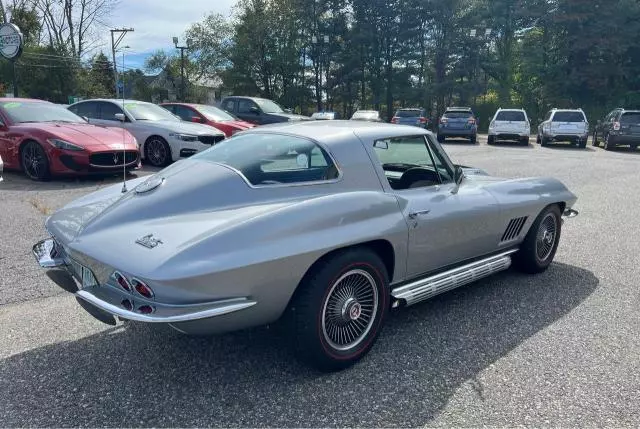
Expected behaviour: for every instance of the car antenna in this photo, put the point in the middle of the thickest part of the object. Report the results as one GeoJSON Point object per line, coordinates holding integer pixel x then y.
{"type": "Point", "coordinates": [124, 134]}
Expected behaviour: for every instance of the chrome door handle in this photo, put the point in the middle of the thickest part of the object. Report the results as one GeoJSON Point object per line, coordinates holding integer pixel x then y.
{"type": "Point", "coordinates": [416, 214]}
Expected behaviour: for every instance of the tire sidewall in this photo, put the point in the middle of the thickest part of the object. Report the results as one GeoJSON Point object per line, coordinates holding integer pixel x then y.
{"type": "Point", "coordinates": [318, 288]}
{"type": "Point", "coordinates": [558, 218]}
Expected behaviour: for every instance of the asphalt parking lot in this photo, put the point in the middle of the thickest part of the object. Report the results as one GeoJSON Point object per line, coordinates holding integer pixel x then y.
{"type": "Point", "coordinates": [557, 349]}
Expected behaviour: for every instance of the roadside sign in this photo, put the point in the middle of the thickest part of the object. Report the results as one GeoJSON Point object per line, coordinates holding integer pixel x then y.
{"type": "Point", "coordinates": [11, 41]}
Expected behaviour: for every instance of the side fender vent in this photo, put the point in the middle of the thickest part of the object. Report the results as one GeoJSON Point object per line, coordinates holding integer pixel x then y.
{"type": "Point", "coordinates": [513, 229]}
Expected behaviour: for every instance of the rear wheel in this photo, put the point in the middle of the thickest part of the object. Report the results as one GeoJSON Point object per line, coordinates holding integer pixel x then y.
{"type": "Point", "coordinates": [538, 139]}
{"type": "Point", "coordinates": [440, 139]}
{"type": "Point", "coordinates": [339, 309]}
{"type": "Point", "coordinates": [524, 141]}
{"type": "Point", "coordinates": [539, 246]}
{"type": "Point", "coordinates": [594, 142]}
{"type": "Point", "coordinates": [473, 139]}
{"type": "Point", "coordinates": [157, 151]}
{"type": "Point", "coordinates": [544, 141]}
{"type": "Point", "coordinates": [582, 143]}
{"type": "Point", "coordinates": [34, 161]}
{"type": "Point", "coordinates": [491, 140]}
{"type": "Point", "coordinates": [608, 144]}
{"type": "Point", "coordinates": [634, 147]}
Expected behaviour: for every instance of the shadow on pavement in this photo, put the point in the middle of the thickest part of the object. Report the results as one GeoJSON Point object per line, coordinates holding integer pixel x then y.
{"type": "Point", "coordinates": [150, 376]}
{"type": "Point", "coordinates": [512, 144]}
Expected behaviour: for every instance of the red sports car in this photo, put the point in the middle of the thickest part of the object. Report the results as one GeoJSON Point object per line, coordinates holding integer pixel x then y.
{"type": "Point", "coordinates": [44, 139]}
{"type": "Point", "coordinates": [208, 115]}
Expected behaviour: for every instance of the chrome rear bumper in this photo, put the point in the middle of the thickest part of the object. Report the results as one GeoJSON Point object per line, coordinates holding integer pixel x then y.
{"type": "Point", "coordinates": [107, 302]}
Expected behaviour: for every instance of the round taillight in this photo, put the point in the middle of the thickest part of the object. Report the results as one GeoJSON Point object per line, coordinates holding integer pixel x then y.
{"type": "Point", "coordinates": [145, 309]}
{"type": "Point", "coordinates": [122, 281]}
{"type": "Point", "coordinates": [127, 304]}
{"type": "Point", "coordinates": [142, 288]}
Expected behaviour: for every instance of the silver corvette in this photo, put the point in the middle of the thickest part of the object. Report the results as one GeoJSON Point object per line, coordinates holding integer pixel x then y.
{"type": "Point", "coordinates": [330, 224]}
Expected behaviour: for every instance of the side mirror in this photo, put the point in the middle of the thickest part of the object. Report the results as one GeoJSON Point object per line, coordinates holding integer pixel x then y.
{"type": "Point", "coordinates": [288, 110]}
{"type": "Point", "coordinates": [120, 117]}
{"type": "Point", "coordinates": [254, 110]}
{"type": "Point", "coordinates": [196, 119]}
{"type": "Point", "coordinates": [458, 175]}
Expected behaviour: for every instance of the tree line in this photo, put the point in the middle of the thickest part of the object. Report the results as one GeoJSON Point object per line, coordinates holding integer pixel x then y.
{"type": "Point", "coordinates": [344, 55]}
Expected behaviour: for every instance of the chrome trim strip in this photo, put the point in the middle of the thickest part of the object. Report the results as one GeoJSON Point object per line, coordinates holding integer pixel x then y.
{"type": "Point", "coordinates": [222, 307]}
{"type": "Point", "coordinates": [429, 287]}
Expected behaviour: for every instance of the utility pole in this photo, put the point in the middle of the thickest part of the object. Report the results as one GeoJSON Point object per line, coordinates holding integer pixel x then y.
{"type": "Point", "coordinates": [114, 45]}
{"type": "Point", "coordinates": [182, 49]}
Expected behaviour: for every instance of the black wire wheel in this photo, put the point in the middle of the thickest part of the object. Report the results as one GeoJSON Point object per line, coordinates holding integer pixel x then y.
{"type": "Point", "coordinates": [539, 247]}
{"type": "Point", "coordinates": [546, 237]}
{"type": "Point", "coordinates": [157, 151]}
{"type": "Point", "coordinates": [35, 163]}
{"type": "Point", "coordinates": [339, 308]}
{"type": "Point", "coordinates": [349, 310]}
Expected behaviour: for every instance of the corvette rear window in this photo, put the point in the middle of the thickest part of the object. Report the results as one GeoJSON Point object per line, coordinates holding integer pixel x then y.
{"type": "Point", "coordinates": [273, 159]}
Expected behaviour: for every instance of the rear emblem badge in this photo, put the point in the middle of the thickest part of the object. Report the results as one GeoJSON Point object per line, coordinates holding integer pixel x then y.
{"type": "Point", "coordinates": [149, 241]}
{"type": "Point", "coordinates": [115, 158]}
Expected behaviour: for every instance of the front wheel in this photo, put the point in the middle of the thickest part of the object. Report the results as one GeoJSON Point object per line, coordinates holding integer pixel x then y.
{"type": "Point", "coordinates": [594, 142]}
{"type": "Point", "coordinates": [473, 139]}
{"type": "Point", "coordinates": [539, 246]}
{"type": "Point", "coordinates": [157, 152]}
{"type": "Point", "coordinates": [339, 309]}
{"type": "Point", "coordinates": [524, 141]}
{"type": "Point", "coordinates": [490, 140]}
{"type": "Point", "coordinates": [582, 144]}
{"type": "Point", "coordinates": [34, 161]}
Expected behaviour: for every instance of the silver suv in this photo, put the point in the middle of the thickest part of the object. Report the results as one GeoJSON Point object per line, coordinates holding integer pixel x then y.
{"type": "Point", "coordinates": [564, 125]}
{"type": "Point", "coordinates": [510, 124]}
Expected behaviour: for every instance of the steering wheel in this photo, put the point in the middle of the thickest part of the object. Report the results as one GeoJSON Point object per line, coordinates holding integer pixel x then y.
{"type": "Point", "coordinates": [418, 177]}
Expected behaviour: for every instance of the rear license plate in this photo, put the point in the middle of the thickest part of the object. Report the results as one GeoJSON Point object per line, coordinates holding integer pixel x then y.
{"type": "Point", "coordinates": [83, 275]}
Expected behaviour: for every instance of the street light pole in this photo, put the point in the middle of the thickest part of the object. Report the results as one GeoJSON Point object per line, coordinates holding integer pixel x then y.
{"type": "Point", "coordinates": [182, 49]}
{"type": "Point", "coordinates": [114, 45]}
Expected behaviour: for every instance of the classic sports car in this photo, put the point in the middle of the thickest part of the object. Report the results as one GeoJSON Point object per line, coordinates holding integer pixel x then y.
{"type": "Point", "coordinates": [330, 223]}
{"type": "Point", "coordinates": [44, 139]}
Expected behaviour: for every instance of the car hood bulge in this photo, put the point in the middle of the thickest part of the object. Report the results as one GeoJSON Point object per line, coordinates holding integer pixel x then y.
{"type": "Point", "coordinates": [85, 135]}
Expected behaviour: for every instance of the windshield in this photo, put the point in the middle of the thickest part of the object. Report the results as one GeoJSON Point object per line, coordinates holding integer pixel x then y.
{"type": "Point", "coordinates": [568, 117]}
{"type": "Point", "coordinates": [37, 111]}
{"type": "Point", "coordinates": [511, 116]}
{"type": "Point", "coordinates": [409, 113]}
{"type": "Point", "coordinates": [215, 114]}
{"type": "Point", "coordinates": [630, 118]}
{"type": "Point", "coordinates": [149, 112]}
{"type": "Point", "coordinates": [273, 159]}
{"type": "Point", "coordinates": [268, 106]}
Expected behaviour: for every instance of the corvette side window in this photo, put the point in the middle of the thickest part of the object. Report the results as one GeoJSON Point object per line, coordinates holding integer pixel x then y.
{"type": "Point", "coordinates": [407, 162]}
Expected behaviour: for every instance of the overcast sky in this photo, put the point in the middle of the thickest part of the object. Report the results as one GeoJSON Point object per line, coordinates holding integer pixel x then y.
{"type": "Point", "coordinates": [156, 22]}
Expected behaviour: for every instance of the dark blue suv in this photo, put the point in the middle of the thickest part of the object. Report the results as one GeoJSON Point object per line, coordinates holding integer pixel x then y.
{"type": "Point", "coordinates": [458, 122]}
{"type": "Point", "coordinates": [411, 116]}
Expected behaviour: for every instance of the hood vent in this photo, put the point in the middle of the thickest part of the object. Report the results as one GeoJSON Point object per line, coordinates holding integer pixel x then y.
{"type": "Point", "coordinates": [513, 229]}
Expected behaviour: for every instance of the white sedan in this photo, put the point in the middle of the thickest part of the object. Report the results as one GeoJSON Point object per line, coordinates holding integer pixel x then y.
{"type": "Point", "coordinates": [163, 137]}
